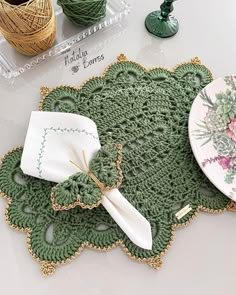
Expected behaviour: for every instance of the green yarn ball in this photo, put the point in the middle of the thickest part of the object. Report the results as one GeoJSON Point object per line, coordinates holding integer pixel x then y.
{"type": "Point", "coordinates": [84, 12]}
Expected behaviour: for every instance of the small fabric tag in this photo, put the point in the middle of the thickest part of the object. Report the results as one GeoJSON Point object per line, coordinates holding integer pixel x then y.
{"type": "Point", "coordinates": [180, 214]}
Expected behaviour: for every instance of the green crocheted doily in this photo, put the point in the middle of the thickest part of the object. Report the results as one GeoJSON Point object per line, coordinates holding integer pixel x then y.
{"type": "Point", "coordinates": [147, 112]}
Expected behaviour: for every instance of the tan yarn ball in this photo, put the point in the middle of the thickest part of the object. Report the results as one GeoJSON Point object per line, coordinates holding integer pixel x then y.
{"type": "Point", "coordinates": [29, 27]}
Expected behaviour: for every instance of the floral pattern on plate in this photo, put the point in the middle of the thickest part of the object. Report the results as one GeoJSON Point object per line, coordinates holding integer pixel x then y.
{"type": "Point", "coordinates": [212, 131]}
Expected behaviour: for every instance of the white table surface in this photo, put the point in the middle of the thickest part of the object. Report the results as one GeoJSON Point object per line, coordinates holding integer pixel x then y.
{"type": "Point", "coordinates": [202, 259]}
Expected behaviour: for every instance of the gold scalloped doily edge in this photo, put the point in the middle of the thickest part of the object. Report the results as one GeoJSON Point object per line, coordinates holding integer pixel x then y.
{"type": "Point", "coordinates": [44, 91]}
{"type": "Point", "coordinates": [49, 268]}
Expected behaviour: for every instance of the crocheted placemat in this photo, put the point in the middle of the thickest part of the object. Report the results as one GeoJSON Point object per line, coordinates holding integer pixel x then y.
{"type": "Point", "coordinates": [147, 112]}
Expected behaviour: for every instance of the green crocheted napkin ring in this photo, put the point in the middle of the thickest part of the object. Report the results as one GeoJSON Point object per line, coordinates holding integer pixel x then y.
{"type": "Point", "coordinates": [85, 189]}
{"type": "Point", "coordinates": [147, 112]}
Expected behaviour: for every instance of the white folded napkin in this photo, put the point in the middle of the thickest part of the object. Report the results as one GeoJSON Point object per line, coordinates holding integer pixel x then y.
{"type": "Point", "coordinates": [53, 141]}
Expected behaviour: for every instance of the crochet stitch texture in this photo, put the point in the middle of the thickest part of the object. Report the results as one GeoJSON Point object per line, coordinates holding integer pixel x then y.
{"type": "Point", "coordinates": [146, 111]}
{"type": "Point", "coordinates": [80, 189]}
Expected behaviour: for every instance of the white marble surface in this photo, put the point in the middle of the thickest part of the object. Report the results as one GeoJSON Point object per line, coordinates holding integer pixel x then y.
{"type": "Point", "coordinates": [202, 259]}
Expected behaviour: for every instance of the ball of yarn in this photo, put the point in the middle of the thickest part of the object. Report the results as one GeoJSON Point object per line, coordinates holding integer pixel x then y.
{"type": "Point", "coordinates": [83, 12]}
{"type": "Point", "coordinates": [28, 26]}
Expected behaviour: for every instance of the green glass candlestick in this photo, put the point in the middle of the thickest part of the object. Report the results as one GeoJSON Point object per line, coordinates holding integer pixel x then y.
{"type": "Point", "coordinates": [160, 23]}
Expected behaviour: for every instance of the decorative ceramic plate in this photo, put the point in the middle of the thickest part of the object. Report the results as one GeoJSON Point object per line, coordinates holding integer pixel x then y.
{"type": "Point", "coordinates": [212, 132]}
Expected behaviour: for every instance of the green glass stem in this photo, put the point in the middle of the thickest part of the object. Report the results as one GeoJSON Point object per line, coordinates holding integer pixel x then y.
{"type": "Point", "coordinates": [160, 23]}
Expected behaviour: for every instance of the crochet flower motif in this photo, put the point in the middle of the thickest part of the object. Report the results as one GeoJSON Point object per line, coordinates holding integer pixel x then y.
{"type": "Point", "coordinates": [146, 111]}
{"type": "Point", "coordinates": [86, 188]}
